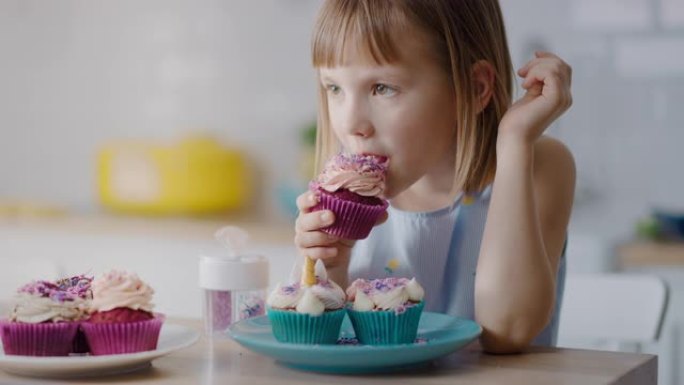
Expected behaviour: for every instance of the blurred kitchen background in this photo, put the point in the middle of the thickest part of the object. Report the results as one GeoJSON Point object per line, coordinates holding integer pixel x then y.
{"type": "Point", "coordinates": [102, 102]}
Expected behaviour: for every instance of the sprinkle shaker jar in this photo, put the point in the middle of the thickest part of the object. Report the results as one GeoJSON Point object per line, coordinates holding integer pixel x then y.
{"type": "Point", "coordinates": [234, 287]}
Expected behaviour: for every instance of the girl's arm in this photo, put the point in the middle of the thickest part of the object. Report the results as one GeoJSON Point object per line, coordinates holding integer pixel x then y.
{"type": "Point", "coordinates": [528, 214]}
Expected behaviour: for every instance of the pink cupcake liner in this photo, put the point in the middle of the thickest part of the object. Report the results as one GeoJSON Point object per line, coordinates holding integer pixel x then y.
{"type": "Point", "coordinates": [353, 220]}
{"type": "Point", "coordinates": [80, 344]}
{"type": "Point", "coordinates": [42, 339]}
{"type": "Point", "coordinates": [123, 337]}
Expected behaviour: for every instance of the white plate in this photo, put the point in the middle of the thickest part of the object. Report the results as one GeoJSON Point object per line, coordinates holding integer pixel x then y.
{"type": "Point", "coordinates": [171, 338]}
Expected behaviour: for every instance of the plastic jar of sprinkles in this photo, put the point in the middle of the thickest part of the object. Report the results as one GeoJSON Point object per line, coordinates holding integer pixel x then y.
{"type": "Point", "coordinates": [234, 285]}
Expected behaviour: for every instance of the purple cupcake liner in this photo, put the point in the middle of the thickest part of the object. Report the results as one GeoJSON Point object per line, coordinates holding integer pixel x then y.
{"type": "Point", "coordinates": [123, 337]}
{"type": "Point", "coordinates": [42, 339]}
{"type": "Point", "coordinates": [80, 344]}
{"type": "Point", "coordinates": [353, 220]}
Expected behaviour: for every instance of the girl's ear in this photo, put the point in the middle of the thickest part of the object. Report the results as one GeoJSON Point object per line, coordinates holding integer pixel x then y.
{"type": "Point", "coordinates": [483, 80]}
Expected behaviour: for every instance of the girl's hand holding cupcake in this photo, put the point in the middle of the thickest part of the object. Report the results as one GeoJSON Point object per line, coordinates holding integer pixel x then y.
{"type": "Point", "coordinates": [341, 206]}
{"type": "Point", "coordinates": [313, 242]}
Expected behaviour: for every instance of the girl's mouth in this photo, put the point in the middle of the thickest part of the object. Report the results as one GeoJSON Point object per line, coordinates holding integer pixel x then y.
{"type": "Point", "coordinates": [381, 158]}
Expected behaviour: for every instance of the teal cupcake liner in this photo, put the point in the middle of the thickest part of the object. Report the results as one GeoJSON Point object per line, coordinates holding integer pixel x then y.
{"type": "Point", "coordinates": [385, 327]}
{"type": "Point", "coordinates": [292, 327]}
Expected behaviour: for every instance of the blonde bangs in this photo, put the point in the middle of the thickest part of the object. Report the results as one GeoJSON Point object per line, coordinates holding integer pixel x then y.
{"type": "Point", "coordinates": [366, 26]}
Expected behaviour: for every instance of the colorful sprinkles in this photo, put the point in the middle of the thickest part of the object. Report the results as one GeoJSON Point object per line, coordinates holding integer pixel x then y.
{"type": "Point", "coordinates": [66, 289]}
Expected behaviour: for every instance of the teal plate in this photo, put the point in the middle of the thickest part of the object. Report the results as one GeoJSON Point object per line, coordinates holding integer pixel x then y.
{"type": "Point", "coordinates": [438, 335]}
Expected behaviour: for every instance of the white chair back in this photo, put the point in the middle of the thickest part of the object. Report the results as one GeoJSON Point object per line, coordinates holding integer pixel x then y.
{"type": "Point", "coordinates": [622, 308]}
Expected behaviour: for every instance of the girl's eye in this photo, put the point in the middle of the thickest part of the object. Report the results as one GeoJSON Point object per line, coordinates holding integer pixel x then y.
{"type": "Point", "coordinates": [383, 90]}
{"type": "Point", "coordinates": [333, 89]}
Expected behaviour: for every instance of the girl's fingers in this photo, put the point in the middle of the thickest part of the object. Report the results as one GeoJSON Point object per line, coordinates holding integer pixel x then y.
{"type": "Point", "coordinates": [522, 72]}
{"type": "Point", "coordinates": [314, 221]}
{"type": "Point", "coordinates": [319, 252]}
{"type": "Point", "coordinates": [545, 54]}
{"type": "Point", "coordinates": [545, 71]}
{"type": "Point", "coordinates": [549, 60]}
{"type": "Point", "coordinates": [306, 201]}
{"type": "Point", "coordinates": [382, 219]}
{"type": "Point", "coordinates": [314, 239]}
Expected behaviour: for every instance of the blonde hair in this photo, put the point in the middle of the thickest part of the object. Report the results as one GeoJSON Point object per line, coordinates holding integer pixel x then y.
{"type": "Point", "coordinates": [462, 33]}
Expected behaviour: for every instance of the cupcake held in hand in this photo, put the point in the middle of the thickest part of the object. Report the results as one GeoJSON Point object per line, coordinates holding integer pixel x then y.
{"type": "Point", "coordinates": [351, 186]}
{"type": "Point", "coordinates": [121, 318]}
{"type": "Point", "coordinates": [307, 313]}
{"type": "Point", "coordinates": [385, 311]}
{"type": "Point", "coordinates": [45, 317]}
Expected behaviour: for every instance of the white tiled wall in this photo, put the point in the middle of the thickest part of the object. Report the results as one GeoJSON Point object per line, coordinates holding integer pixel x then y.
{"type": "Point", "coordinates": [626, 127]}
{"type": "Point", "coordinates": [75, 73]}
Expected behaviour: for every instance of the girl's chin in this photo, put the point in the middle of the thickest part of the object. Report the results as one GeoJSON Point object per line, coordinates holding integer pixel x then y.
{"type": "Point", "coordinates": [388, 194]}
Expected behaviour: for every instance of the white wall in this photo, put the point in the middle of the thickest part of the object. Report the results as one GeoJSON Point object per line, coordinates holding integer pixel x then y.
{"type": "Point", "coordinates": [625, 127]}
{"type": "Point", "coordinates": [76, 73]}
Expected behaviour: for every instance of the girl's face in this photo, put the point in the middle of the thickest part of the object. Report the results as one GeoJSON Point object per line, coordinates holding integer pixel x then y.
{"type": "Point", "coordinates": [404, 110]}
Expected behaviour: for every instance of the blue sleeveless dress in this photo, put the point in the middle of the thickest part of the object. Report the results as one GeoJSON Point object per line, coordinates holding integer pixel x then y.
{"type": "Point", "coordinates": [441, 249]}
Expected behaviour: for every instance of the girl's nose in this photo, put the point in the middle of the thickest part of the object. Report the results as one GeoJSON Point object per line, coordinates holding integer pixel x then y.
{"type": "Point", "coordinates": [357, 121]}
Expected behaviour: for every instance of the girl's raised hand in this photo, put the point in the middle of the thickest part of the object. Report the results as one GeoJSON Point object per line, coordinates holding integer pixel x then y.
{"type": "Point", "coordinates": [313, 242]}
{"type": "Point", "coordinates": [547, 81]}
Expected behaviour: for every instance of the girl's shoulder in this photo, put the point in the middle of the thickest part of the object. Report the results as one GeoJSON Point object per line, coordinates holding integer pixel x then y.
{"type": "Point", "coordinates": [553, 160]}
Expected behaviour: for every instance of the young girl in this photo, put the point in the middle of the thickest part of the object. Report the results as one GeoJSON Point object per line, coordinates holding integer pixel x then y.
{"type": "Point", "coordinates": [479, 199]}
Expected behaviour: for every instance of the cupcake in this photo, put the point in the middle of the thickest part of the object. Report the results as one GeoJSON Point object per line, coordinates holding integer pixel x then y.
{"type": "Point", "coordinates": [121, 319]}
{"type": "Point", "coordinates": [307, 314]}
{"type": "Point", "coordinates": [351, 186]}
{"type": "Point", "coordinates": [45, 317]}
{"type": "Point", "coordinates": [385, 311]}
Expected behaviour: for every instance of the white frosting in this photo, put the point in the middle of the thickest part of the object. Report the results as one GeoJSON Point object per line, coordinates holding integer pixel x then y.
{"type": "Point", "coordinates": [310, 304]}
{"type": "Point", "coordinates": [392, 299]}
{"type": "Point", "coordinates": [279, 299]}
{"type": "Point", "coordinates": [118, 289]}
{"type": "Point", "coordinates": [416, 292]}
{"type": "Point", "coordinates": [362, 302]}
{"type": "Point", "coordinates": [384, 294]}
{"type": "Point", "coordinates": [36, 309]}
{"type": "Point", "coordinates": [326, 292]}
{"type": "Point", "coordinates": [332, 298]}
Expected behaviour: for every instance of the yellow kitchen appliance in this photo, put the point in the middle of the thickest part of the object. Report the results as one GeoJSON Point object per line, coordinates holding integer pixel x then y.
{"type": "Point", "coordinates": [195, 175]}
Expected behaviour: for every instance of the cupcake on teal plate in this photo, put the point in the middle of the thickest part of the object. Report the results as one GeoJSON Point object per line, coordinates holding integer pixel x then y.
{"type": "Point", "coordinates": [385, 311]}
{"type": "Point", "coordinates": [351, 186]}
{"type": "Point", "coordinates": [307, 312]}
{"type": "Point", "coordinates": [45, 317]}
{"type": "Point", "coordinates": [121, 320]}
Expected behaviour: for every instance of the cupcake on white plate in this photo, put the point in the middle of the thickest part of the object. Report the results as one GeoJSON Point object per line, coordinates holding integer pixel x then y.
{"type": "Point", "coordinates": [122, 318]}
{"type": "Point", "coordinates": [45, 317]}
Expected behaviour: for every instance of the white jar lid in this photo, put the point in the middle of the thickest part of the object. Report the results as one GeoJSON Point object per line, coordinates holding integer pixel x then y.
{"type": "Point", "coordinates": [248, 272]}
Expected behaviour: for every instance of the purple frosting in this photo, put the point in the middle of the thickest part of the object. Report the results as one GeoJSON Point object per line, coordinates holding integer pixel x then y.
{"type": "Point", "coordinates": [66, 289]}
{"type": "Point", "coordinates": [361, 164]}
{"type": "Point", "coordinates": [383, 285]}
